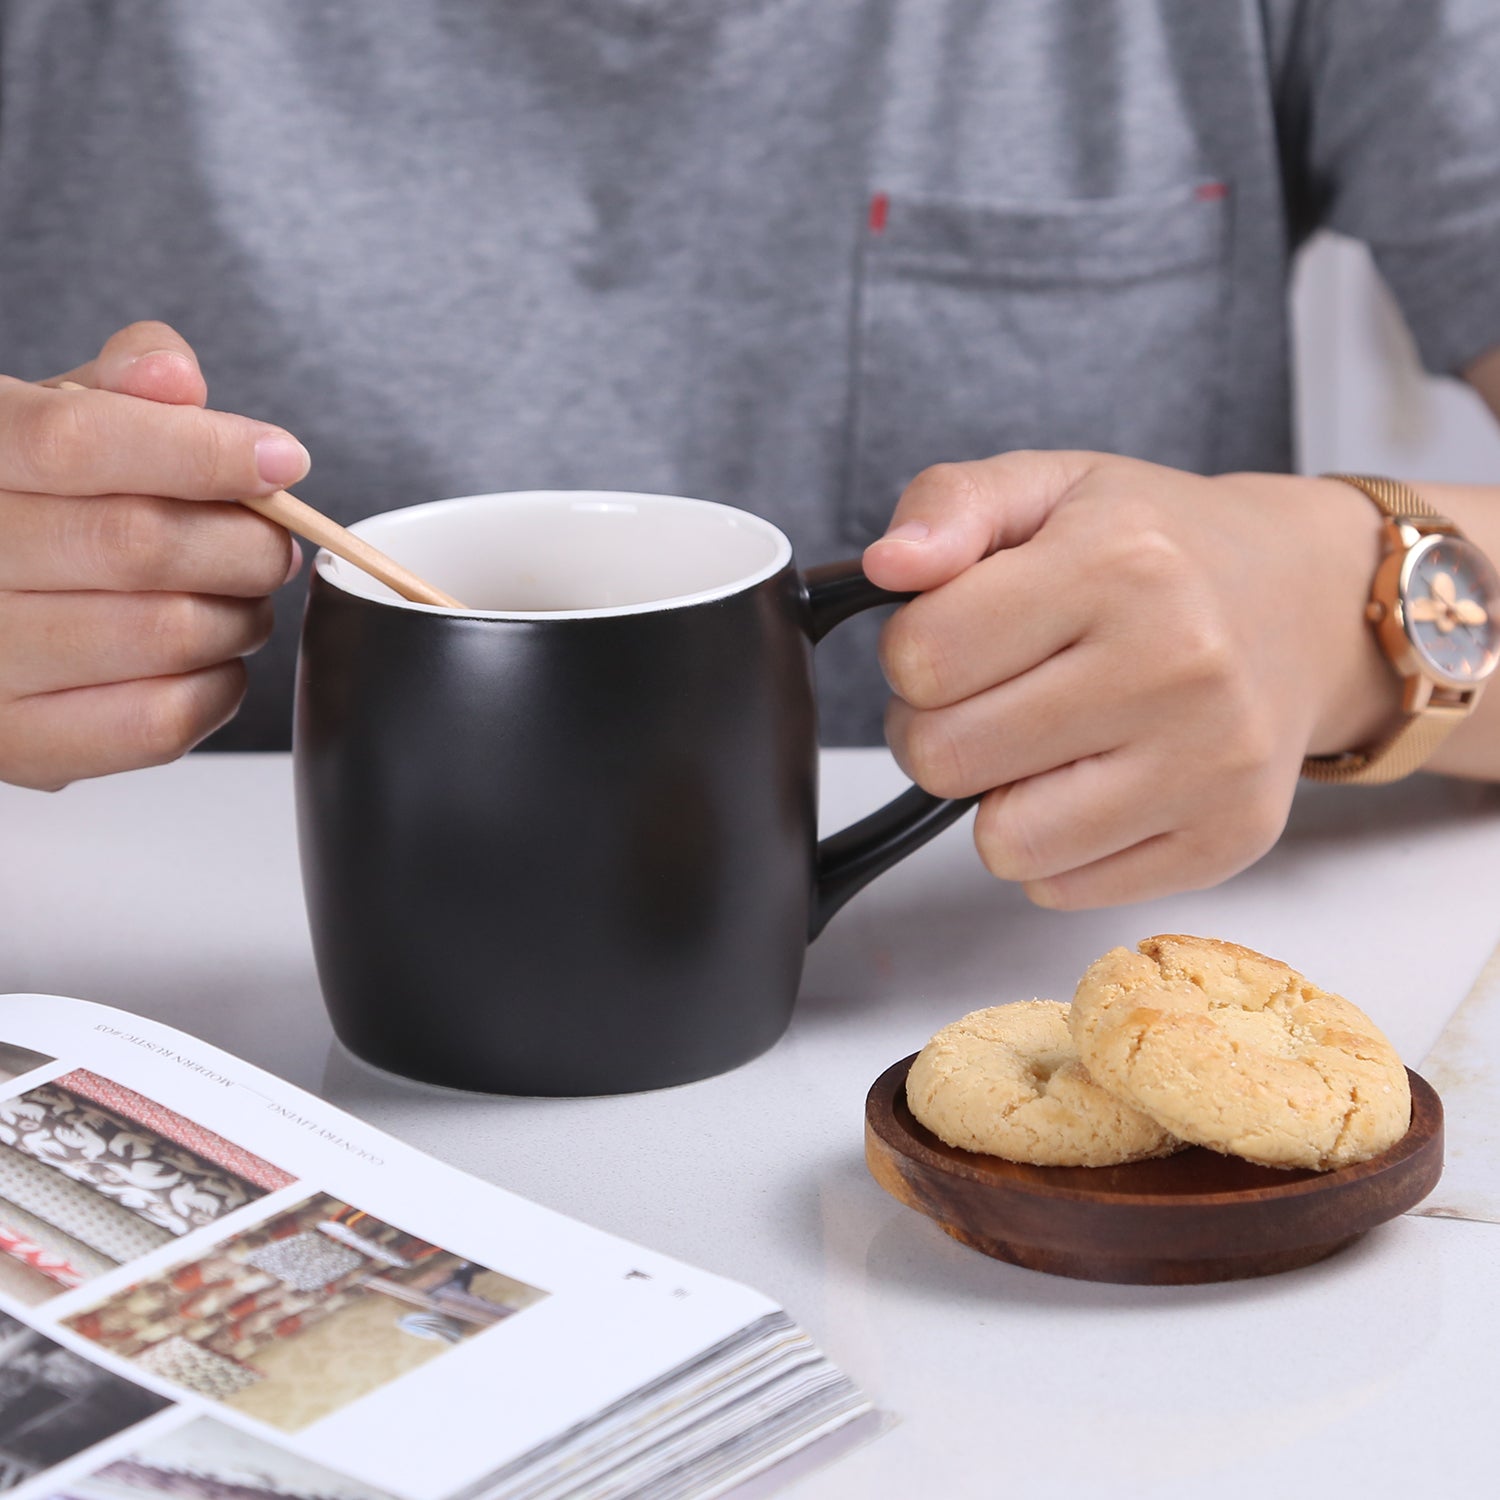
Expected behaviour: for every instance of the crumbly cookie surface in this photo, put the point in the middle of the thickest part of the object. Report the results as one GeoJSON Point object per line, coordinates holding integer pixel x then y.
{"type": "Point", "coordinates": [1238, 1052]}
{"type": "Point", "coordinates": [1007, 1081]}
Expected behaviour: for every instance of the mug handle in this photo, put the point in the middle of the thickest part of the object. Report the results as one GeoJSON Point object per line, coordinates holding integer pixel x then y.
{"type": "Point", "coordinates": [849, 860]}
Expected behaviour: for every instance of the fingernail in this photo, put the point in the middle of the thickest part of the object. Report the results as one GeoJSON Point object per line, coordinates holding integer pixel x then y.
{"type": "Point", "coordinates": [280, 459]}
{"type": "Point", "coordinates": [296, 566]}
{"type": "Point", "coordinates": [908, 531]}
{"type": "Point", "coordinates": [169, 356]}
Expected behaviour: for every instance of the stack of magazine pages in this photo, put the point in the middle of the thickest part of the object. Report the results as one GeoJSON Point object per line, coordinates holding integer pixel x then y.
{"type": "Point", "coordinates": [213, 1284]}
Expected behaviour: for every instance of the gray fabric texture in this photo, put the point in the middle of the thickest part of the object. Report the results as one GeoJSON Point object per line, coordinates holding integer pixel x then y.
{"type": "Point", "coordinates": [629, 244]}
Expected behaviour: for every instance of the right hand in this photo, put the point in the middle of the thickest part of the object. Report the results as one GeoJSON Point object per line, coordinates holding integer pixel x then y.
{"type": "Point", "coordinates": [131, 586]}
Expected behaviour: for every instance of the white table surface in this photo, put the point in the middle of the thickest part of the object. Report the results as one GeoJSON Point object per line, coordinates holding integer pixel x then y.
{"type": "Point", "coordinates": [174, 893]}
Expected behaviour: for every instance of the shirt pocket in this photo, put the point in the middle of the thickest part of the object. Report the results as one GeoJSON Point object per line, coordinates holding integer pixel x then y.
{"type": "Point", "coordinates": [983, 327]}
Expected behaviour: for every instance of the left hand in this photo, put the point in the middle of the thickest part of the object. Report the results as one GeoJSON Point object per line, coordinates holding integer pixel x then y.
{"type": "Point", "coordinates": [1129, 661]}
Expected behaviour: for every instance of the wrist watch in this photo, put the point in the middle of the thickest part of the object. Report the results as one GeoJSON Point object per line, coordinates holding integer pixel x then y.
{"type": "Point", "coordinates": [1435, 608]}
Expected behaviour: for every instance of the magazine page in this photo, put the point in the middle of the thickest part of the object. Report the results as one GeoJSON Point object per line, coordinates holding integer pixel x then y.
{"type": "Point", "coordinates": [206, 1271]}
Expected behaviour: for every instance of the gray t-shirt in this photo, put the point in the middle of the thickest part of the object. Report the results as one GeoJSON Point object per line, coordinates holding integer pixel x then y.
{"type": "Point", "coordinates": [778, 253]}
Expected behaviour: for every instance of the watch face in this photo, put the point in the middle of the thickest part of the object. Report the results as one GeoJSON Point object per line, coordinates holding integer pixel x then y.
{"type": "Point", "coordinates": [1450, 599]}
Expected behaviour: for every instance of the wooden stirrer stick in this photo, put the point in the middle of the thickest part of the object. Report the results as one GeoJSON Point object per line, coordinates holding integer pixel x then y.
{"type": "Point", "coordinates": [299, 517]}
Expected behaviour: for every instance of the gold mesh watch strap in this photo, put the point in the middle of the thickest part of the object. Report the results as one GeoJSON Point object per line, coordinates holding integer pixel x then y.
{"type": "Point", "coordinates": [1393, 497]}
{"type": "Point", "coordinates": [1390, 759]}
{"type": "Point", "coordinates": [1403, 751]}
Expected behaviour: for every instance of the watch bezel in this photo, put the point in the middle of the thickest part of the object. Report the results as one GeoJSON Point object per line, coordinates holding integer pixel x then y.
{"type": "Point", "coordinates": [1408, 655]}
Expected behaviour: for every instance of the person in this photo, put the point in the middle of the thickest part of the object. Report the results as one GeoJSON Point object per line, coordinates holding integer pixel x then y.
{"type": "Point", "coordinates": [1022, 265]}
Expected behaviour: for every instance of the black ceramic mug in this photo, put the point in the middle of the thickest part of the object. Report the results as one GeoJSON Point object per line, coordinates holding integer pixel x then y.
{"type": "Point", "coordinates": [564, 840]}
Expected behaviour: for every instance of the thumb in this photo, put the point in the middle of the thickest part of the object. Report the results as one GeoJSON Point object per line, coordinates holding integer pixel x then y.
{"type": "Point", "coordinates": [148, 360]}
{"type": "Point", "coordinates": [952, 515]}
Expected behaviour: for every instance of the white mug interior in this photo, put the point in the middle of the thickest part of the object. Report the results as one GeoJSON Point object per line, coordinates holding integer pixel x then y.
{"type": "Point", "coordinates": [567, 553]}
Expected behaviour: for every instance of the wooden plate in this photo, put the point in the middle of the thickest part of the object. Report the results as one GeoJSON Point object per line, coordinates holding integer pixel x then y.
{"type": "Point", "coordinates": [1197, 1216]}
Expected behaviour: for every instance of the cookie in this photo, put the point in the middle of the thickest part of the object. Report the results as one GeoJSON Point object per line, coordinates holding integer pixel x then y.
{"type": "Point", "coordinates": [1007, 1082]}
{"type": "Point", "coordinates": [1229, 1049]}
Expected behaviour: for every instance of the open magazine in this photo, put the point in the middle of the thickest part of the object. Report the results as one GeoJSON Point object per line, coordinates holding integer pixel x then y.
{"type": "Point", "coordinates": [213, 1284]}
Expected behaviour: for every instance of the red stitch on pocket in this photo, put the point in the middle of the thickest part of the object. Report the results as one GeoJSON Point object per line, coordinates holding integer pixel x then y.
{"type": "Point", "coordinates": [880, 210]}
{"type": "Point", "coordinates": [1211, 192]}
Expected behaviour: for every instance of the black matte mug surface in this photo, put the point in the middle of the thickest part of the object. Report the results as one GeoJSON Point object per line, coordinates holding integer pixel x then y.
{"type": "Point", "coordinates": [571, 856]}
